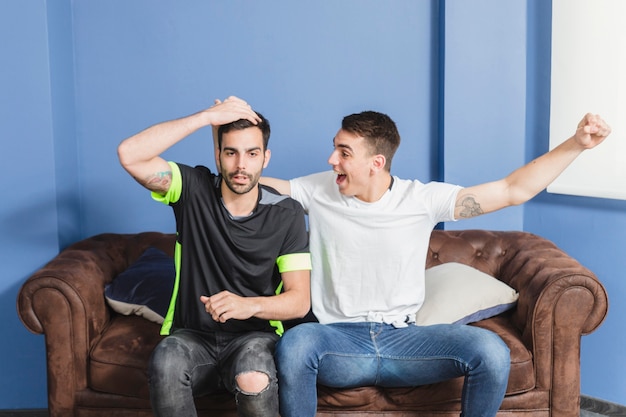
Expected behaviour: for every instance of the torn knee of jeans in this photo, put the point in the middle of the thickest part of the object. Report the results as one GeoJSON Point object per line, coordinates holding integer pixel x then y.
{"type": "Point", "coordinates": [259, 383]}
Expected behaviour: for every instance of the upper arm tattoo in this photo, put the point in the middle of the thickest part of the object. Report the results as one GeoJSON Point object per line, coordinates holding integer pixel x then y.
{"type": "Point", "coordinates": [158, 182]}
{"type": "Point", "coordinates": [469, 207]}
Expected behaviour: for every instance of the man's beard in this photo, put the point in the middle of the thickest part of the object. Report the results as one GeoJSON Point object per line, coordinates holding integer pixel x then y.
{"type": "Point", "coordinates": [240, 189]}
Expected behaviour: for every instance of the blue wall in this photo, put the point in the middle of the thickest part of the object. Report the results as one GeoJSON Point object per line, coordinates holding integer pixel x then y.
{"type": "Point", "coordinates": [484, 99]}
{"type": "Point", "coordinates": [302, 64]}
{"type": "Point", "coordinates": [466, 82]}
{"type": "Point", "coordinates": [29, 234]}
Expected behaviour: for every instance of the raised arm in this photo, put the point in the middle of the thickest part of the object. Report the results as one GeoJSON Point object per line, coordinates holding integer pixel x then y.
{"type": "Point", "coordinates": [526, 182]}
{"type": "Point", "coordinates": [140, 153]}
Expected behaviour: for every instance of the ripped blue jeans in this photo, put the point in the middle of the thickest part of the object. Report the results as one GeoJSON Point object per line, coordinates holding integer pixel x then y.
{"type": "Point", "coordinates": [189, 364]}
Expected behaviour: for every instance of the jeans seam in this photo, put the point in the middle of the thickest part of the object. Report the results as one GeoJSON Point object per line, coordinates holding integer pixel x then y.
{"type": "Point", "coordinates": [428, 358]}
{"type": "Point", "coordinates": [373, 338]}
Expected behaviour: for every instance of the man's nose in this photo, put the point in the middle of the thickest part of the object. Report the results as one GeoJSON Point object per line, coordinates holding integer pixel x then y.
{"type": "Point", "coordinates": [241, 161]}
{"type": "Point", "coordinates": [332, 159]}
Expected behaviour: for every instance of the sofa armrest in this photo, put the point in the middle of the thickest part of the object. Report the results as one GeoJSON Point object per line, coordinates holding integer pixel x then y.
{"type": "Point", "coordinates": [64, 300]}
{"type": "Point", "coordinates": [553, 285]}
{"type": "Point", "coordinates": [559, 299]}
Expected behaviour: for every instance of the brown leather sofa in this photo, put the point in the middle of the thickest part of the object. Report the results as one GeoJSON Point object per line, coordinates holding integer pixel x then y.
{"type": "Point", "coordinates": [97, 358]}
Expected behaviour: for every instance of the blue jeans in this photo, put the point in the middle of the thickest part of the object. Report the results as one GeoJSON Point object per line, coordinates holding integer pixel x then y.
{"type": "Point", "coordinates": [348, 355]}
{"type": "Point", "coordinates": [188, 364]}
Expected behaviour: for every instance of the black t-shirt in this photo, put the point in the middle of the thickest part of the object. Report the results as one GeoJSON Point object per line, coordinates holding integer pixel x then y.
{"type": "Point", "coordinates": [216, 252]}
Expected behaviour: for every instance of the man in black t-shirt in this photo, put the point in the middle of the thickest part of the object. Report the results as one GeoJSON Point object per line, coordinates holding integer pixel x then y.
{"type": "Point", "coordinates": [242, 262]}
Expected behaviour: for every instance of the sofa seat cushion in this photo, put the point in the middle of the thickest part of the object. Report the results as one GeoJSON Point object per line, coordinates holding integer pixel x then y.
{"type": "Point", "coordinates": [120, 357]}
{"type": "Point", "coordinates": [522, 374]}
{"type": "Point", "coordinates": [521, 379]}
{"type": "Point", "coordinates": [119, 361]}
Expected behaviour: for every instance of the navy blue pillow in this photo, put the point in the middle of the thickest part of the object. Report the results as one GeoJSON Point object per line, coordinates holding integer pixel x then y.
{"type": "Point", "coordinates": [144, 288]}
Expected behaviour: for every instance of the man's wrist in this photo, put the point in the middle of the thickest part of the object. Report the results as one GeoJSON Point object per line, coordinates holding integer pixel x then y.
{"type": "Point", "coordinates": [204, 118]}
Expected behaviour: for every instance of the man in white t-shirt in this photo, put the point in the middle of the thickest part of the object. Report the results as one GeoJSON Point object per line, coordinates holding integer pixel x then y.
{"type": "Point", "coordinates": [369, 234]}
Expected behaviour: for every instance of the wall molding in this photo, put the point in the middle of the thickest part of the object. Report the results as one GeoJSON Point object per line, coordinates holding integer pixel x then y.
{"type": "Point", "coordinates": [601, 407]}
{"type": "Point", "coordinates": [40, 412]}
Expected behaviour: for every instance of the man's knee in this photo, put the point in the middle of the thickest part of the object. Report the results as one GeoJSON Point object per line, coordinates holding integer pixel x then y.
{"type": "Point", "coordinates": [296, 343]}
{"type": "Point", "coordinates": [166, 359]}
{"type": "Point", "coordinates": [257, 394]}
{"type": "Point", "coordinates": [252, 382]}
{"type": "Point", "coordinates": [496, 355]}
{"type": "Point", "coordinates": [498, 350]}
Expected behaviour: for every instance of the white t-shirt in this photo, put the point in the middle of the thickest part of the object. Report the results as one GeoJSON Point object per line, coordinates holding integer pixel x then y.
{"type": "Point", "coordinates": [369, 258]}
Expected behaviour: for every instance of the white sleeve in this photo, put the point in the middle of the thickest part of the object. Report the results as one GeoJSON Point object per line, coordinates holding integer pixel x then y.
{"type": "Point", "coordinates": [442, 200]}
{"type": "Point", "coordinates": [303, 188]}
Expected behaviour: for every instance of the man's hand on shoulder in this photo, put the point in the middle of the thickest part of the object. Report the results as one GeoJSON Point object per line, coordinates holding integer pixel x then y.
{"type": "Point", "coordinates": [282, 186]}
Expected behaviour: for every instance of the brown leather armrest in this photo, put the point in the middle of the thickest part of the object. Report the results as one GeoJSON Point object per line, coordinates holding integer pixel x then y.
{"type": "Point", "coordinates": [65, 301]}
{"type": "Point", "coordinates": [560, 300]}
{"type": "Point", "coordinates": [77, 278]}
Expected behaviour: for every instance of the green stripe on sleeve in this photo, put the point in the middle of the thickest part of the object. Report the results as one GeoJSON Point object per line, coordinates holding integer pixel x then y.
{"type": "Point", "coordinates": [169, 316]}
{"type": "Point", "coordinates": [277, 324]}
{"type": "Point", "coordinates": [294, 262]}
{"type": "Point", "coordinates": [173, 194]}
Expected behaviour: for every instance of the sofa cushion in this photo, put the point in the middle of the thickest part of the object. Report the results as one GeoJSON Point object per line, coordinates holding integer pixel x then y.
{"type": "Point", "coordinates": [144, 288]}
{"type": "Point", "coordinates": [119, 360]}
{"type": "Point", "coordinates": [458, 293]}
{"type": "Point", "coordinates": [522, 374]}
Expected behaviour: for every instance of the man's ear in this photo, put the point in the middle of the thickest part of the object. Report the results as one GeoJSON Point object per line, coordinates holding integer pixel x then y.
{"type": "Point", "coordinates": [268, 155]}
{"type": "Point", "coordinates": [217, 159]}
{"type": "Point", "coordinates": [214, 131]}
{"type": "Point", "coordinates": [378, 163]}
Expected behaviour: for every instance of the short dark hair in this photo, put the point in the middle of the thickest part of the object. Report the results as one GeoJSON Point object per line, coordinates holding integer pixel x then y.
{"type": "Point", "coordinates": [378, 130]}
{"type": "Point", "coordinates": [242, 124]}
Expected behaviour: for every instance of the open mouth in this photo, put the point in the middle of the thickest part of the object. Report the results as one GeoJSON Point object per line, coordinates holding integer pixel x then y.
{"type": "Point", "coordinates": [240, 178]}
{"type": "Point", "coordinates": [341, 178]}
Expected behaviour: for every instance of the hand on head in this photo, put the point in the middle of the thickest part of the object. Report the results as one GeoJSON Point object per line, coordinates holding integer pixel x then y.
{"type": "Point", "coordinates": [230, 110]}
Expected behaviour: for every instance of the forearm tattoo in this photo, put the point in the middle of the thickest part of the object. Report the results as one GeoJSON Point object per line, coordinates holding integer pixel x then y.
{"type": "Point", "coordinates": [159, 181]}
{"type": "Point", "coordinates": [469, 207]}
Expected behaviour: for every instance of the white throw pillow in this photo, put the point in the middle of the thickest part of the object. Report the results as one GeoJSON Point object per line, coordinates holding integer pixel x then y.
{"type": "Point", "coordinates": [457, 293]}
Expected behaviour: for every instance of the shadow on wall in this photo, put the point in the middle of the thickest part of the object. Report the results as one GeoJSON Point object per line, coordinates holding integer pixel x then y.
{"type": "Point", "coordinates": [30, 227]}
{"type": "Point", "coordinates": [29, 240]}
{"type": "Point", "coordinates": [24, 353]}
{"type": "Point", "coordinates": [591, 203]}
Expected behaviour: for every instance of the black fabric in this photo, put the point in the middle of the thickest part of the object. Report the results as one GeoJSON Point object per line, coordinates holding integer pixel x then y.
{"type": "Point", "coordinates": [220, 253]}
